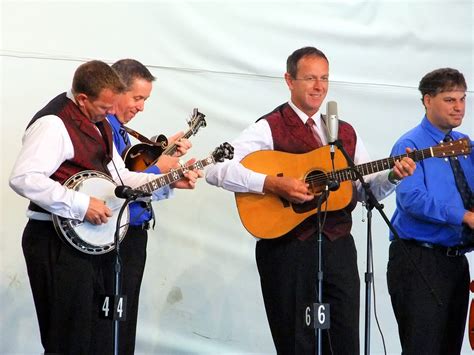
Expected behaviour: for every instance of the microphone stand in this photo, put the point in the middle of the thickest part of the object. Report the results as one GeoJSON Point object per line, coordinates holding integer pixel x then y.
{"type": "Point", "coordinates": [117, 273]}
{"type": "Point", "coordinates": [319, 290]}
{"type": "Point", "coordinates": [331, 186]}
{"type": "Point", "coordinates": [372, 202]}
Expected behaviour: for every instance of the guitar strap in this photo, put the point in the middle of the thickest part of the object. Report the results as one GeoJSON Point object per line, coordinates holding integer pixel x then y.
{"type": "Point", "coordinates": [139, 136]}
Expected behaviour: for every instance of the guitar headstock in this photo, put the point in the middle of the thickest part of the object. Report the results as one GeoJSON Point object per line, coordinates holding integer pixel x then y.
{"type": "Point", "coordinates": [450, 149]}
{"type": "Point", "coordinates": [196, 121]}
{"type": "Point", "coordinates": [222, 152]}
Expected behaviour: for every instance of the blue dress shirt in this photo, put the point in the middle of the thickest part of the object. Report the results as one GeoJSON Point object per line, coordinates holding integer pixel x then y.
{"type": "Point", "coordinates": [139, 213]}
{"type": "Point", "coordinates": [429, 205]}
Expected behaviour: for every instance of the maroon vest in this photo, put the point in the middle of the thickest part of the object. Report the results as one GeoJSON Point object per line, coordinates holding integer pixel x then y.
{"type": "Point", "coordinates": [92, 151]}
{"type": "Point", "coordinates": [291, 135]}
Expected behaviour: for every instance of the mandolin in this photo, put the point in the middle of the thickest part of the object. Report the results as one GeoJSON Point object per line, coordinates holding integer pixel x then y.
{"type": "Point", "coordinates": [269, 216]}
{"type": "Point", "coordinates": [142, 155]}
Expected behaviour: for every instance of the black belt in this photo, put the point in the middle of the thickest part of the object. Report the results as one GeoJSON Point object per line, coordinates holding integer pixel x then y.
{"type": "Point", "coordinates": [449, 251]}
{"type": "Point", "coordinates": [144, 226]}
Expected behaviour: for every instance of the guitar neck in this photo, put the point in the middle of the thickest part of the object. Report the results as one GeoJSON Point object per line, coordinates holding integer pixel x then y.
{"type": "Point", "coordinates": [175, 175]}
{"type": "Point", "coordinates": [172, 148]}
{"type": "Point", "coordinates": [379, 165]}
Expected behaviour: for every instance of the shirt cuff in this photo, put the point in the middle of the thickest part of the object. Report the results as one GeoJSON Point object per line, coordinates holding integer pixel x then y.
{"type": "Point", "coordinates": [455, 216]}
{"type": "Point", "coordinates": [256, 182]}
{"type": "Point", "coordinates": [153, 169]}
{"type": "Point", "coordinates": [80, 206]}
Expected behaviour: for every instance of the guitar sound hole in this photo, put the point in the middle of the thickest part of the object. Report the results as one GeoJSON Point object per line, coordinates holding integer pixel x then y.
{"type": "Point", "coordinates": [317, 181]}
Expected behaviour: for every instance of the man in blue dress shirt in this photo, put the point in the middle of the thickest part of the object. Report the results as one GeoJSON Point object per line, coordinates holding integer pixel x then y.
{"type": "Point", "coordinates": [138, 82]}
{"type": "Point", "coordinates": [428, 274]}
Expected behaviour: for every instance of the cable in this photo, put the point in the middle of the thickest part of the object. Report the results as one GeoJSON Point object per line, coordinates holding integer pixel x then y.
{"type": "Point", "coordinates": [48, 56]}
{"type": "Point", "coordinates": [375, 303]}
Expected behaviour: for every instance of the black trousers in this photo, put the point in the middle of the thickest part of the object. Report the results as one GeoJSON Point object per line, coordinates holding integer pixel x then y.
{"type": "Point", "coordinates": [67, 286]}
{"type": "Point", "coordinates": [287, 268]}
{"type": "Point", "coordinates": [424, 326]}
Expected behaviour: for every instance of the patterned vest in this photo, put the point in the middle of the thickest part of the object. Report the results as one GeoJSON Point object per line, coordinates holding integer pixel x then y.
{"type": "Point", "coordinates": [92, 151]}
{"type": "Point", "coordinates": [291, 135]}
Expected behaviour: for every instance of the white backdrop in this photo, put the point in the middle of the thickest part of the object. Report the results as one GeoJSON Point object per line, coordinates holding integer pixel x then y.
{"type": "Point", "coordinates": [201, 290]}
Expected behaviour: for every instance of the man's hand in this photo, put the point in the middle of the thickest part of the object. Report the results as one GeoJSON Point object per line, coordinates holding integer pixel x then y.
{"type": "Point", "coordinates": [190, 178]}
{"type": "Point", "coordinates": [469, 219]}
{"type": "Point", "coordinates": [183, 144]}
{"type": "Point", "coordinates": [404, 167]}
{"type": "Point", "coordinates": [291, 189]}
{"type": "Point", "coordinates": [165, 163]}
{"type": "Point", "coordinates": [97, 212]}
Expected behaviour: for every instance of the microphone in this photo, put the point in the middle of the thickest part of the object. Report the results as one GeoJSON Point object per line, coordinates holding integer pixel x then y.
{"type": "Point", "coordinates": [332, 126]}
{"type": "Point", "coordinates": [333, 185]}
{"type": "Point", "coordinates": [332, 122]}
{"type": "Point", "coordinates": [127, 192]}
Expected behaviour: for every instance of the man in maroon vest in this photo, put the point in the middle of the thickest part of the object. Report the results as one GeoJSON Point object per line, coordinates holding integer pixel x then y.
{"type": "Point", "coordinates": [287, 265]}
{"type": "Point", "coordinates": [70, 135]}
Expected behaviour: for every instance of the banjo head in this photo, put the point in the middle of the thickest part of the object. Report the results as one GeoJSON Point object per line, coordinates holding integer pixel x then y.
{"type": "Point", "coordinates": [84, 236]}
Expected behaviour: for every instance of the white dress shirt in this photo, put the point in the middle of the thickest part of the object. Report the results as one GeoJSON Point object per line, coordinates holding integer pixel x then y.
{"type": "Point", "coordinates": [233, 176]}
{"type": "Point", "coordinates": [46, 145]}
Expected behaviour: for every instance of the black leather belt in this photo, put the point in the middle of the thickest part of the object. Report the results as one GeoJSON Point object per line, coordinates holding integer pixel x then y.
{"type": "Point", "coordinates": [449, 251]}
{"type": "Point", "coordinates": [144, 226]}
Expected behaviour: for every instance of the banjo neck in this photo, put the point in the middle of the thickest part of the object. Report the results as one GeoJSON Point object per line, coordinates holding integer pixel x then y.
{"type": "Point", "coordinates": [175, 175]}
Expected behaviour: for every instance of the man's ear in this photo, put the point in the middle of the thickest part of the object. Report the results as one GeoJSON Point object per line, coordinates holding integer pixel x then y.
{"type": "Point", "coordinates": [80, 98]}
{"type": "Point", "coordinates": [289, 80]}
{"type": "Point", "coordinates": [426, 100]}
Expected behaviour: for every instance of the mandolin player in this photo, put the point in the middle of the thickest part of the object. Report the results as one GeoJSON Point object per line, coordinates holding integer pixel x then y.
{"type": "Point", "coordinates": [138, 82]}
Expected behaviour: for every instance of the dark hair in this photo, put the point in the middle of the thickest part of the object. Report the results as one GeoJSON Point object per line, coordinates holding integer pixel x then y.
{"type": "Point", "coordinates": [131, 69]}
{"type": "Point", "coordinates": [294, 58]}
{"type": "Point", "coordinates": [94, 76]}
{"type": "Point", "coordinates": [441, 80]}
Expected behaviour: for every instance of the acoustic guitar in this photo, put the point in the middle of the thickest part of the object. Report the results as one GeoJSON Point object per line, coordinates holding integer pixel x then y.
{"type": "Point", "coordinates": [270, 216]}
{"type": "Point", "coordinates": [142, 155]}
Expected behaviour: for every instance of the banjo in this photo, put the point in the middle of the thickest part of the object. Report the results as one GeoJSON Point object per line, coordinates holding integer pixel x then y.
{"type": "Point", "coordinates": [99, 239]}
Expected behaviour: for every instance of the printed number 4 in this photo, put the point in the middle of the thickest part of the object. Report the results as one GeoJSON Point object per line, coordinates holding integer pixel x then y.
{"type": "Point", "coordinates": [105, 306]}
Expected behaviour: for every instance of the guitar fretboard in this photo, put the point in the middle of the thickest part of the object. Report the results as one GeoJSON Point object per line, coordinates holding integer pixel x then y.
{"type": "Point", "coordinates": [380, 165]}
{"type": "Point", "coordinates": [175, 175]}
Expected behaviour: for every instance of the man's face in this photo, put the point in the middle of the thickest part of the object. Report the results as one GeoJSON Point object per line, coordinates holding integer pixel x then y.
{"type": "Point", "coordinates": [96, 110]}
{"type": "Point", "coordinates": [133, 101]}
{"type": "Point", "coordinates": [446, 109]}
{"type": "Point", "coordinates": [310, 86]}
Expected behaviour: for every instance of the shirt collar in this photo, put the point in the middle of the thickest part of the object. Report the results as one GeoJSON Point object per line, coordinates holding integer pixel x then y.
{"type": "Point", "coordinates": [71, 97]}
{"type": "Point", "coordinates": [433, 131]}
{"type": "Point", "coordinates": [304, 117]}
{"type": "Point", "coordinates": [113, 119]}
